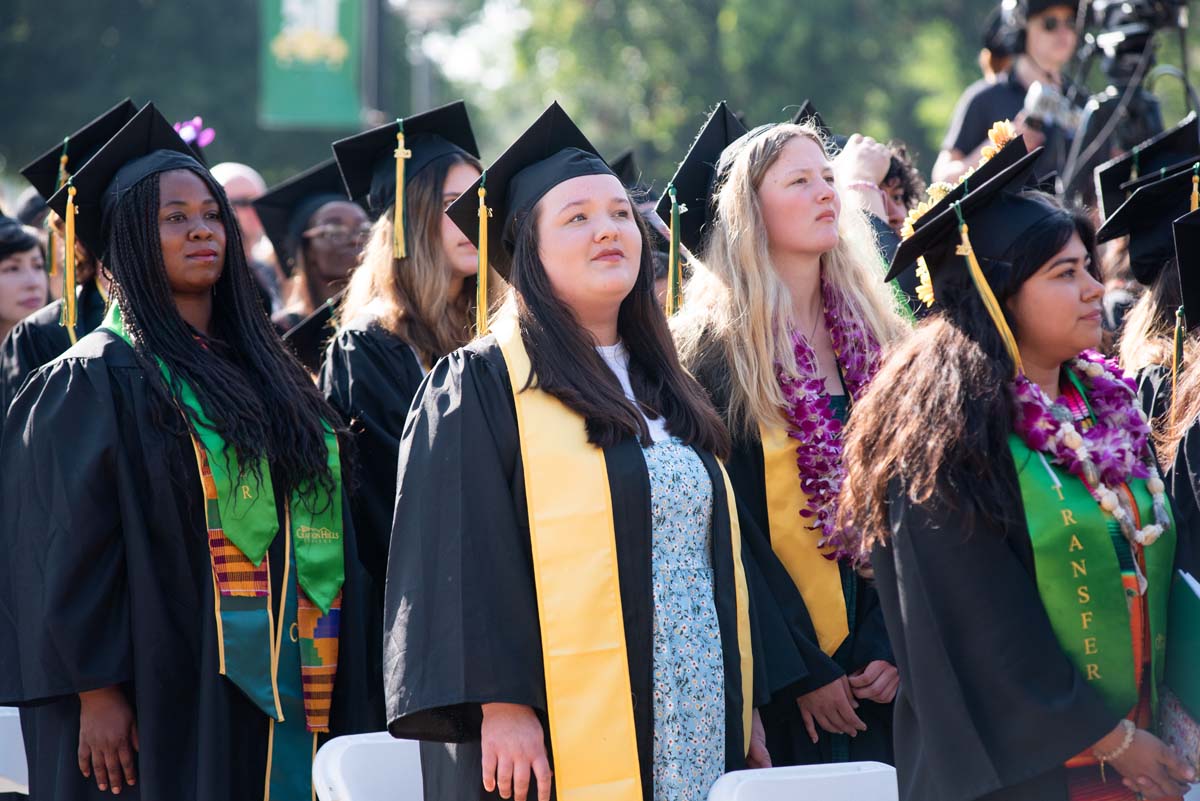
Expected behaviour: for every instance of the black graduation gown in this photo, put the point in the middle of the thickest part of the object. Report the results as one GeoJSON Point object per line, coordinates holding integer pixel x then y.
{"type": "Point", "coordinates": [460, 621]}
{"type": "Point", "coordinates": [787, 739]}
{"type": "Point", "coordinates": [107, 581]}
{"type": "Point", "coordinates": [989, 705]}
{"type": "Point", "coordinates": [370, 377]}
{"type": "Point", "coordinates": [1183, 485]}
{"type": "Point", "coordinates": [39, 338]}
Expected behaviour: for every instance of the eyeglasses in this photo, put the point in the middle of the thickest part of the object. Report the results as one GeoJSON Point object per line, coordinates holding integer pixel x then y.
{"type": "Point", "coordinates": [1052, 24]}
{"type": "Point", "coordinates": [339, 235]}
{"type": "Point", "coordinates": [241, 202]}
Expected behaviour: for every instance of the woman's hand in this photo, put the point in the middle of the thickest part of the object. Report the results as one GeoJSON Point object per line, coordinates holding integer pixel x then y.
{"type": "Point", "coordinates": [108, 738]}
{"type": "Point", "coordinates": [877, 682]}
{"type": "Point", "coordinates": [863, 159]}
{"type": "Point", "coordinates": [1148, 766]}
{"type": "Point", "coordinates": [832, 708]}
{"type": "Point", "coordinates": [757, 756]}
{"type": "Point", "coordinates": [513, 744]}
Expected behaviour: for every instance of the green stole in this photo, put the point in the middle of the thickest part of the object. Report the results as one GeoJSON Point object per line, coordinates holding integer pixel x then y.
{"type": "Point", "coordinates": [1079, 577]}
{"type": "Point", "coordinates": [289, 679]}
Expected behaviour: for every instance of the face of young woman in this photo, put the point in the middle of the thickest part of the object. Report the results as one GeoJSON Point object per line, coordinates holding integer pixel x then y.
{"type": "Point", "coordinates": [1057, 311]}
{"type": "Point", "coordinates": [800, 205]}
{"type": "Point", "coordinates": [191, 232]}
{"type": "Point", "coordinates": [589, 243]}
{"type": "Point", "coordinates": [461, 255]}
{"type": "Point", "coordinates": [23, 286]}
{"type": "Point", "coordinates": [335, 236]}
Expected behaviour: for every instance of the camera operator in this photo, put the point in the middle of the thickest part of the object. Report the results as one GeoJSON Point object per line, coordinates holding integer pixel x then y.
{"type": "Point", "coordinates": [1044, 38]}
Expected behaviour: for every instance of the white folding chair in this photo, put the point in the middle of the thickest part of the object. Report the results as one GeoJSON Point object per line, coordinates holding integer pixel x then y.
{"type": "Point", "coordinates": [14, 772]}
{"type": "Point", "coordinates": [368, 767]}
{"type": "Point", "coordinates": [852, 781]}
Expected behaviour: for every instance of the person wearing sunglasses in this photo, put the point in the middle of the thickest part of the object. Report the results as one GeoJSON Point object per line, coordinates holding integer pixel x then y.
{"type": "Point", "coordinates": [1044, 37]}
{"type": "Point", "coordinates": [243, 185]}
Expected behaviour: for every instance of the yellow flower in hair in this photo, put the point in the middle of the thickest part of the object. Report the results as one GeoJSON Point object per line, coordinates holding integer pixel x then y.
{"type": "Point", "coordinates": [999, 135]}
{"type": "Point", "coordinates": [925, 283]}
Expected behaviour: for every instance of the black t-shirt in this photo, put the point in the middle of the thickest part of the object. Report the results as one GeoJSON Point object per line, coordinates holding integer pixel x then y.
{"type": "Point", "coordinates": [984, 104]}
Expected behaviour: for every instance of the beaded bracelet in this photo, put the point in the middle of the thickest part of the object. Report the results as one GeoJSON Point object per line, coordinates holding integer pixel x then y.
{"type": "Point", "coordinates": [1119, 751]}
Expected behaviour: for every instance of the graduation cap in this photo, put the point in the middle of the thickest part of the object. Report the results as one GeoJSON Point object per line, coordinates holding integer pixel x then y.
{"type": "Point", "coordinates": [374, 163]}
{"type": "Point", "coordinates": [307, 338]}
{"type": "Point", "coordinates": [286, 208]}
{"type": "Point", "coordinates": [1146, 218]}
{"type": "Point", "coordinates": [808, 113]}
{"type": "Point", "coordinates": [550, 151]}
{"type": "Point", "coordinates": [1167, 150]}
{"type": "Point", "coordinates": [1187, 262]}
{"type": "Point", "coordinates": [49, 171]}
{"type": "Point", "coordinates": [626, 168]}
{"type": "Point", "coordinates": [973, 235]}
{"type": "Point", "coordinates": [145, 146]}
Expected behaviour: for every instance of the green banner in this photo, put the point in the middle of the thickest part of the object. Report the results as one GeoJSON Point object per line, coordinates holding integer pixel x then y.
{"type": "Point", "coordinates": [310, 63]}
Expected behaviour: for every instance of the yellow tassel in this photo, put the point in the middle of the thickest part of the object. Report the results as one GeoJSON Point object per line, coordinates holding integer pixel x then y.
{"type": "Point", "coordinates": [399, 244]}
{"type": "Point", "coordinates": [1195, 204]}
{"type": "Point", "coordinates": [985, 292]}
{"type": "Point", "coordinates": [68, 312]}
{"type": "Point", "coordinates": [62, 177]}
{"type": "Point", "coordinates": [1177, 349]}
{"type": "Point", "coordinates": [674, 277]}
{"type": "Point", "coordinates": [481, 281]}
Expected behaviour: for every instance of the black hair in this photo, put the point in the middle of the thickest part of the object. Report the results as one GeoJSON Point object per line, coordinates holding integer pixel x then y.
{"type": "Point", "coordinates": [254, 392]}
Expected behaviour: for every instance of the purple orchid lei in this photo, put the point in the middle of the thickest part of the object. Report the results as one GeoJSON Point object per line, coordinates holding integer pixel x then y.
{"type": "Point", "coordinates": [1110, 453]}
{"type": "Point", "coordinates": [811, 421]}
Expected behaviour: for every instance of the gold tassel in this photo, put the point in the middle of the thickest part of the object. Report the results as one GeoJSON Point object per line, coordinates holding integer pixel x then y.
{"type": "Point", "coordinates": [68, 313]}
{"type": "Point", "coordinates": [1177, 348]}
{"type": "Point", "coordinates": [58, 183]}
{"type": "Point", "coordinates": [481, 280]}
{"type": "Point", "coordinates": [1195, 204]}
{"type": "Point", "coordinates": [985, 292]}
{"type": "Point", "coordinates": [674, 276]}
{"type": "Point", "coordinates": [399, 243]}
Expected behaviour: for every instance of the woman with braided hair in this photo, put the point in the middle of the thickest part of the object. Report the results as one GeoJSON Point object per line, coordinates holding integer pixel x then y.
{"type": "Point", "coordinates": [173, 506]}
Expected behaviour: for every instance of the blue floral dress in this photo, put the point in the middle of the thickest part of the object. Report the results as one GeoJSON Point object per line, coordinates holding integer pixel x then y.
{"type": "Point", "coordinates": [689, 673]}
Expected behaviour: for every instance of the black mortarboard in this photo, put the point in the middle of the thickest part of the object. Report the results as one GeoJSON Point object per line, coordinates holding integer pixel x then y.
{"type": "Point", "coordinates": [808, 113]}
{"type": "Point", "coordinates": [1146, 218]}
{"type": "Point", "coordinates": [286, 208]}
{"type": "Point", "coordinates": [696, 177]}
{"type": "Point", "coordinates": [626, 168]}
{"type": "Point", "coordinates": [1167, 149]}
{"type": "Point", "coordinates": [44, 171]}
{"type": "Point", "coordinates": [997, 214]}
{"type": "Point", "coordinates": [367, 161]}
{"type": "Point", "coordinates": [145, 146]}
{"type": "Point", "coordinates": [1034, 7]}
{"type": "Point", "coordinates": [308, 338]}
{"type": "Point", "coordinates": [998, 211]}
{"type": "Point", "coordinates": [550, 151]}
{"type": "Point", "coordinates": [1187, 261]}
{"type": "Point", "coordinates": [1184, 165]}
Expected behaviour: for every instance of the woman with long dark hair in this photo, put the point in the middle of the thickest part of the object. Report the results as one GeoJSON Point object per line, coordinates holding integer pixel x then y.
{"type": "Point", "coordinates": [566, 575]}
{"type": "Point", "coordinates": [1000, 474]}
{"type": "Point", "coordinates": [173, 506]}
{"type": "Point", "coordinates": [400, 314]}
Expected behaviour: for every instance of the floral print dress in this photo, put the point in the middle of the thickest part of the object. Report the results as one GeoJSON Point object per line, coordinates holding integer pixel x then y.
{"type": "Point", "coordinates": [689, 673]}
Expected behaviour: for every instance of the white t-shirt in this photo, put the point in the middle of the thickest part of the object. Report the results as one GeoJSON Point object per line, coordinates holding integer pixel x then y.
{"type": "Point", "coordinates": [617, 359]}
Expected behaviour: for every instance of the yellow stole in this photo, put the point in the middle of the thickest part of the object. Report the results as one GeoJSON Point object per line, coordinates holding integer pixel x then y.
{"type": "Point", "coordinates": [588, 695]}
{"type": "Point", "coordinates": [795, 543]}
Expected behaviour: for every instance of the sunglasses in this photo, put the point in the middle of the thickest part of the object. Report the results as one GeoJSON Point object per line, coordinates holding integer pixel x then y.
{"type": "Point", "coordinates": [339, 235]}
{"type": "Point", "coordinates": [1052, 24]}
{"type": "Point", "coordinates": [241, 202]}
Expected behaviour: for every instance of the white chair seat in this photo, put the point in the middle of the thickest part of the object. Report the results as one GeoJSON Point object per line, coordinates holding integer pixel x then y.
{"type": "Point", "coordinates": [14, 772]}
{"type": "Point", "coordinates": [852, 781]}
{"type": "Point", "coordinates": [368, 767]}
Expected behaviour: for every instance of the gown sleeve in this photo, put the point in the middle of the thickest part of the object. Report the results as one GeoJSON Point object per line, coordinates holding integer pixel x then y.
{"type": "Point", "coordinates": [460, 608]}
{"type": "Point", "coordinates": [64, 614]}
{"type": "Point", "coordinates": [988, 699]}
{"type": "Point", "coordinates": [31, 343]}
{"type": "Point", "coordinates": [1183, 483]}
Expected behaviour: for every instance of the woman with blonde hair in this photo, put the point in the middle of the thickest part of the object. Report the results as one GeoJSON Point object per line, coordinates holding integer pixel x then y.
{"type": "Point", "coordinates": [400, 313]}
{"type": "Point", "coordinates": [783, 322]}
